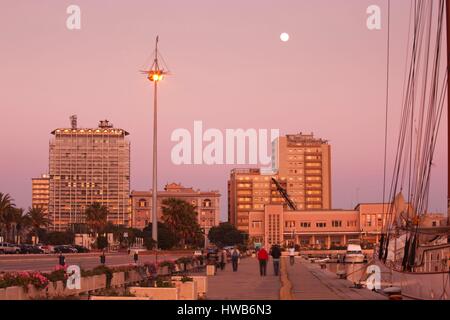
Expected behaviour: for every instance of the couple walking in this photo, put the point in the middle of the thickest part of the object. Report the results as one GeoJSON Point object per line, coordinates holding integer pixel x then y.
{"type": "Point", "coordinates": [263, 258]}
{"type": "Point", "coordinates": [235, 256]}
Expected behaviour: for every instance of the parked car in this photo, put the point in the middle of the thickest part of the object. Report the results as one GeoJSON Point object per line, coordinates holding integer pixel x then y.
{"type": "Point", "coordinates": [29, 248]}
{"type": "Point", "coordinates": [81, 249]}
{"type": "Point", "coordinates": [47, 249]}
{"type": "Point", "coordinates": [198, 253]}
{"type": "Point", "coordinates": [64, 249]}
{"type": "Point", "coordinates": [6, 248]}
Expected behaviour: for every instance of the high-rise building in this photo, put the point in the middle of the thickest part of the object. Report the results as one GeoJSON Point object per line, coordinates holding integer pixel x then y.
{"type": "Point", "coordinates": [40, 192]}
{"type": "Point", "coordinates": [89, 165]}
{"type": "Point", "coordinates": [207, 204]}
{"type": "Point", "coordinates": [302, 166]}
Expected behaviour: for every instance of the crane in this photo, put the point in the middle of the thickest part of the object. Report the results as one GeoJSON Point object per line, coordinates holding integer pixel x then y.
{"type": "Point", "coordinates": [285, 195]}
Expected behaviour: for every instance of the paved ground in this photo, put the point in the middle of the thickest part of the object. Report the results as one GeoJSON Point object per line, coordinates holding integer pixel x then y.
{"type": "Point", "coordinates": [85, 261]}
{"type": "Point", "coordinates": [309, 282]}
{"type": "Point", "coordinates": [245, 284]}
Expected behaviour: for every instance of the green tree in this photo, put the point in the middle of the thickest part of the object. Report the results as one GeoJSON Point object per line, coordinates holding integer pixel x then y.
{"type": "Point", "coordinates": [102, 242]}
{"type": "Point", "coordinates": [7, 215]}
{"type": "Point", "coordinates": [58, 238]}
{"type": "Point", "coordinates": [225, 234]}
{"type": "Point", "coordinates": [20, 223]}
{"type": "Point", "coordinates": [37, 219]}
{"type": "Point", "coordinates": [181, 218]}
{"type": "Point", "coordinates": [96, 217]}
{"type": "Point", "coordinates": [166, 238]}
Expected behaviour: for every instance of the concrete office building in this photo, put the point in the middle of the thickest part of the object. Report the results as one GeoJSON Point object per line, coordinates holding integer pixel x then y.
{"type": "Point", "coordinates": [40, 193]}
{"type": "Point", "coordinates": [88, 165]}
{"type": "Point", "coordinates": [302, 165]}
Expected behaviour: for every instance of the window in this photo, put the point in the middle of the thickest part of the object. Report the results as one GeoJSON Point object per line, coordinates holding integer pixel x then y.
{"type": "Point", "coordinates": [321, 224]}
{"type": "Point", "coordinates": [256, 224]}
{"type": "Point", "coordinates": [351, 223]}
{"type": "Point", "coordinates": [336, 223]}
{"type": "Point", "coordinates": [142, 203]}
{"type": "Point", "coordinates": [305, 224]}
{"type": "Point", "coordinates": [289, 224]}
{"type": "Point", "coordinates": [368, 221]}
{"type": "Point", "coordinates": [207, 203]}
{"type": "Point", "coordinates": [434, 224]}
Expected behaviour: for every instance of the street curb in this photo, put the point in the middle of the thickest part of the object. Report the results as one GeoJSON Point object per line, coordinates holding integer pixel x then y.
{"type": "Point", "coordinates": [286, 285]}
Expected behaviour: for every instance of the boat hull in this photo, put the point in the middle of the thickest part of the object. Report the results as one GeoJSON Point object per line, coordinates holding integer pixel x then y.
{"type": "Point", "coordinates": [416, 285]}
{"type": "Point", "coordinates": [354, 258]}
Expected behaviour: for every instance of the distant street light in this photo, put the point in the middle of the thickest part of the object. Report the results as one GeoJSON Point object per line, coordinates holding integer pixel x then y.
{"type": "Point", "coordinates": [155, 74]}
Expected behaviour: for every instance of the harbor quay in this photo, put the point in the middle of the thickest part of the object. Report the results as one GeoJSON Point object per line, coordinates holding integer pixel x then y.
{"type": "Point", "coordinates": [302, 279]}
{"type": "Point", "coordinates": [305, 281]}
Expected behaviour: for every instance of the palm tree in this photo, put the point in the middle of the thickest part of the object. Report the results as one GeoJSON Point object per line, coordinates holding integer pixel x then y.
{"type": "Point", "coordinates": [96, 217]}
{"type": "Point", "coordinates": [6, 207]}
{"type": "Point", "coordinates": [181, 218]}
{"type": "Point", "coordinates": [36, 219]}
{"type": "Point", "coordinates": [20, 221]}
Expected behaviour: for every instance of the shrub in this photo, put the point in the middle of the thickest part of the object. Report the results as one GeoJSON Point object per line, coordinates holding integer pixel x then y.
{"type": "Point", "coordinates": [57, 275]}
{"type": "Point", "coordinates": [23, 279]}
{"type": "Point", "coordinates": [151, 267]}
{"type": "Point", "coordinates": [169, 264]}
{"type": "Point", "coordinates": [163, 283]}
{"type": "Point", "coordinates": [184, 260]}
{"type": "Point", "coordinates": [99, 270]}
{"type": "Point", "coordinates": [186, 279]}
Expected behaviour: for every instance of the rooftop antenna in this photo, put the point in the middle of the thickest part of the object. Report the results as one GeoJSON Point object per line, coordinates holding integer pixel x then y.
{"type": "Point", "coordinates": [73, 121]}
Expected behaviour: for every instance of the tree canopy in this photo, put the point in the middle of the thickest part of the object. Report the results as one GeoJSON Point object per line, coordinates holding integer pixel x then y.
{"type": "Point", "coordinates": [96, 217]}
{"type": "Point", "coordinates": [181, 219]}
{"type": "Point", "coordinates": [225, 234]}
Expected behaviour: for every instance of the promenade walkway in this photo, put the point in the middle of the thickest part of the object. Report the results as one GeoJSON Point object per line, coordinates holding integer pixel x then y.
{"type": "Point", "coordinates": [245, 284]}
{"type": "Point", "coordinates": [309, 282]}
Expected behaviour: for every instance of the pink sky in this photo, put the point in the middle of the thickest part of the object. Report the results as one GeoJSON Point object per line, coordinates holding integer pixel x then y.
{"type": "Point", "coordinates": [230, 70]}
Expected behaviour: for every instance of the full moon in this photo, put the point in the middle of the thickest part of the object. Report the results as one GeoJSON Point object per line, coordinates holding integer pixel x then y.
{"type": "Point", "coordinates": [284, 37]}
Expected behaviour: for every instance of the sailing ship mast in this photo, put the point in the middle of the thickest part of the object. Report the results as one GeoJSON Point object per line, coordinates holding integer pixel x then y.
{"type": "Point", "coordinates": [448, 107]}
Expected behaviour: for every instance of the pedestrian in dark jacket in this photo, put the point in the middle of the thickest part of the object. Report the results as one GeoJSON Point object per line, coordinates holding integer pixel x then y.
{"type": "Point", "coordinates": [136, 257]}
{"type": "Point", "coordinates": [263, 257]}
{"type": "Point", "coordinates": [235, 254]}
{"type": "Point", "coordinates": [275, 252]}
{"type": "Point", "coordinates": [223, 259]}
{"type": "Point", "coordinates": [103, 258]}
{"type": "Point", "coordinates": [62, 260]}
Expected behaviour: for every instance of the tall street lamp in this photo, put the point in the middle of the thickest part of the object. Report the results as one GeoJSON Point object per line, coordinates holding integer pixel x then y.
{"type": "Point", "coordinates": [155, 74]}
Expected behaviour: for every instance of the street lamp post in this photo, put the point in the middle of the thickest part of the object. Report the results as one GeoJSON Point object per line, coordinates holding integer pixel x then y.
{"type": "Point", "coordinates": [155, 74]}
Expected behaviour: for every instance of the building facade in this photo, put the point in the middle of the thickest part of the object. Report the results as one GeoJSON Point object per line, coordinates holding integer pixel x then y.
{"type": "Point", "coordinates": [88, 165]}
{"type": "Point", "coordinates": [207, 204]}
{"type": "Point", "coordinates": [302, 166]}
{"type": "Point", "coordinates": [40, 192]}
{"type": "Point", "coordinates": [316, 229]}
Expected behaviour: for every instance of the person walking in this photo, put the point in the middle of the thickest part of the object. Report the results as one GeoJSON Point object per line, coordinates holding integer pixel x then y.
{"type": "Point", "coordinates": [136, 257]}
{"type": "Point", "coordinates": [62, 260]}
{"type": "Point", "coordinates": [235, 254]}
{"type": "Point", "coordinates": [275, 252]}
{"type": "Point", "coordinates": [291, 251]}
{"type": "Point", "coordinates": [103, 258]}
{"type": "Point", "coordinates": [263, 256]}
{"type": "Point", "coordinates": [223, 259]}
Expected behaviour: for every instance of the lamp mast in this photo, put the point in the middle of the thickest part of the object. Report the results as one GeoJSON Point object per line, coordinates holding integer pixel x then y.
{"type": "Point", "coordinates": [155, 75]}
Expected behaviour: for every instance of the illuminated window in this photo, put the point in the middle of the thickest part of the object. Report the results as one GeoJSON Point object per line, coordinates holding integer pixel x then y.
{"type": "Point", "coordinates": [207, 203]}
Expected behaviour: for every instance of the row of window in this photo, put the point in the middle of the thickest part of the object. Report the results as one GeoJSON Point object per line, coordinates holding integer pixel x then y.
{"type": "Point", "coordinates": [307, 224]}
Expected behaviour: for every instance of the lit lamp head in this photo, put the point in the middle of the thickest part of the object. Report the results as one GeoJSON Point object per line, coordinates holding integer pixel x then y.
{"type": "Point", "coordinates": [155, 76]}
